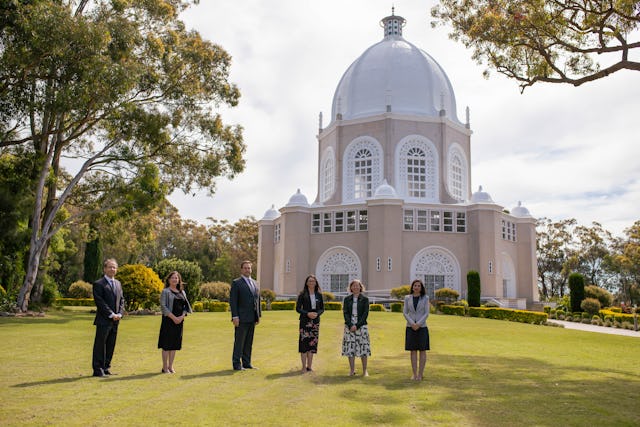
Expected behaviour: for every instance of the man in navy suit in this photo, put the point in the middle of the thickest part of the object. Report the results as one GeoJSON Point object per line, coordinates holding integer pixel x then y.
{"type": "Point", "coordinates": [244, 300]}
{"type": "Point", "coordinates": [107, 294]}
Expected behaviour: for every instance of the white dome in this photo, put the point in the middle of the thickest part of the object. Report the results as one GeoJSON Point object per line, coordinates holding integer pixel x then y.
{"type": "Point", "coordinates": [481, 197]}
{"type": "Point", "coordinates": [271, 214]}
{"type": "Point", "coordinates": [520, 211]}
{"type": "Point", "coordinates": [298, 199]}
{"type": "Point", "coordinates": [385, 191]}
{"type": "Point", "coordinates": [394, 75]}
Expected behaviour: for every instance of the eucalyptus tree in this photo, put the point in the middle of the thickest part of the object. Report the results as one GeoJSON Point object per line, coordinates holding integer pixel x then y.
{"type": "Point", "coordinates": [120, 93]}
{"type": "Point", "coordinates": [558, 41]}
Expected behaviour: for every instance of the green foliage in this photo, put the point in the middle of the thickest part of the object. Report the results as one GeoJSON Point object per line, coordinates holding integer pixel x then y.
{"type": "Point", "coordinates": [447, 295]}
{"type": "Point", "coordinates": [396, 307]}
{"type": "Point", "coordinates": [376, 307]}
{"type": "Point", "coordinates": [218, 306]}
{"type": "Point", "coordinates": [267, 295]}
{"type": "Point", "coordinates": [190, 272]}
{"type": "Point", "coordinates": [401, 291]}
{"type": "Point", "coordinates": [215, 290]}
{"type": "Point", "coordinates": [522, 316]}
{"type": "Point", "coordinates": [602, 295]}
{"type": "Point", "coordinates": [328, 296]}
{"type": "Point", "coordinates": [333, 305]}
{"type": "Point", "coordinates": [93, 260]}
{"type": "Point", "coordinates": [81, 289]}
{"type": "Point", "coordinates": [140, 285]}
{"type": "Point", "coordinates": [473, 288]}
{"type": "Point", "coordinates": [198, 307]}
{"type": "Point", "coordinates": [75, 302]}
{"type": "Point", "coordinates": [456, 310]}
{"type": "Point", "coordinates": [283, 305]}
{"type": "Point", "coordinates": [576, 288]}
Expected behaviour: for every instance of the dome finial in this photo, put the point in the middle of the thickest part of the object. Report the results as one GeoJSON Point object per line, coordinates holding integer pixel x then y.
{"type": "Point", "coordinates": [392, 24]}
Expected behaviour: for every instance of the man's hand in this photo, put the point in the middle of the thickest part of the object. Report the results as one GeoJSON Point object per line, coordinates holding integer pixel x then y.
{"type": "Point", "coordinates": [236, 321]}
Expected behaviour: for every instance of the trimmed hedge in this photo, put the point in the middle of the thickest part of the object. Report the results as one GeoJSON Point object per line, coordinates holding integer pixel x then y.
{"type": "Point", "coordinates": [74, 302]}
{"type": "Point", "coordinates": [218, 306]}
{"type": "Point", "coordinates": [377, 307]}
{"type": "Point", "coordinates": [333, 305]}
{"type": "Point", "coordinates": [617, 316]}
{"type": "Point", "coordinates": [456, 310]}
{"type": "Point", "coordinates": [522, 316]}
{"type": "Point", "coordinates": [198, 307]}
{"type": "Point", "coordinates": [397, 307]}
{"type": "Point", "coordinates": [283, 305]}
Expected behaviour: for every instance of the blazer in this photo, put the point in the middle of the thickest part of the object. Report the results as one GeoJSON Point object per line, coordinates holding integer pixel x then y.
{"type": "Point", "coordinates": [166, 301]}
{"type": "Point", "coordinates": [303, 305]}
{"type": "Point", "coordinates": [363, 310]}
{"type": "Point", "coordinates": [416, 315]}
{"type": "Point", "coordinates": [243, 303]}
{"type": "Point", "coordinates": [107, 300]}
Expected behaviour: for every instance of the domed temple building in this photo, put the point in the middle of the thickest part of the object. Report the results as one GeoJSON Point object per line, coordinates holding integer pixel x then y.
{"type": "Point", "coordinates": [394, 198]}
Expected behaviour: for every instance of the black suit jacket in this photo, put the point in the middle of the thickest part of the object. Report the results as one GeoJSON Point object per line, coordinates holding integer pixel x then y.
{"type": "Point", "coordinates": [363, 310]}
{"type": "Point", "coordinates": [107, 300]}
{"type": "Point", "coordinates": [243, 303]}
{"type": "Point", "coordinates": [303, 305]}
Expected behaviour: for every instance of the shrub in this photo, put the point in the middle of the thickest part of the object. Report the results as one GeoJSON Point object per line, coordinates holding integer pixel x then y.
{"type": "Point", "coordinates": [283, 305]}
{"type": "Point", "coordinates": [74, 302]}
{"type": "Point", "coordinates": [448, 295]}
{"type": "Point", "coordinates": [523, 316]}
{"type": "Point", "coordinates": [215, 290]}
{"type": "Point", "coordinates": [396, 307]}
{"type": "Point", "coordinates": [218, 306]}
{"type": "Point", "coordinates": [333, 305]}
{"type": "Point", "coordinates": [190, 271]}
{"type": "Point", "coordinates": [591, 306]}
{"type": "Point", "coordinates": [328, 296]}
{"type": "Point", "coordinates": [198, 307]}
{"type": "Point", "coordinates": [268, 296]}
{"type": "Point", "coordinates": [457, 310]}
{"type": "Point", "coordinates": [576, 290]}
{"type": "Point", "coordinates": [401, 291]}
{"type": "Point", "coordinates": [140, 285]}
{"type": "Point", "coordinates": [81, 289]}
{"type": "Point", "coordinates": [376, 307]}
{"type": "Point", "coordinates": [602, 295]}
{"type": "Point", "coordinates": [3, 293]}
{"type": "Point", "coordinates": [473, 288]}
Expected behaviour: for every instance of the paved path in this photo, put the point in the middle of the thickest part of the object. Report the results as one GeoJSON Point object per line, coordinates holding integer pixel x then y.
{"type": "Point", "coordinates": [595, 328]}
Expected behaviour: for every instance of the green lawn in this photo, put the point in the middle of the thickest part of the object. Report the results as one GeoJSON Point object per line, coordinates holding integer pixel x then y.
{"type": "Point", "coordinates": [479, 373]}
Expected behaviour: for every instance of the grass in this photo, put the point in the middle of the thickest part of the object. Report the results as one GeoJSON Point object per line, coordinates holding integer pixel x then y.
{"type": "Point", "coordinates": [479, 372]}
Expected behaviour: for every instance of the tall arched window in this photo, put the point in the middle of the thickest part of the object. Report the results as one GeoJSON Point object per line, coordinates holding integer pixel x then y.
{"type": "Point", "coordinates": [457, 175]}
{"type": "Point", "coordinates": [362, 169]}
{"type": "Point", "coordinates": [327, 176]}
{"type": "Point", "coordinates": [336, 267]}
{"type": "Point", "coordinates": [417, 169]}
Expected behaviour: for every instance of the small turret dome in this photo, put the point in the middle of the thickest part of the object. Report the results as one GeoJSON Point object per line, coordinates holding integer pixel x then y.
{"type": "Point", "coordinates": [520, 211]}
{"type": "Point", "coordinates": [271, 214]}
{"type": "Point", "coordinates": [481, 196]}
{"type": "Point", "coordinates": [298, 199]}
{"type": "Point", "coordinates": [385, 191]}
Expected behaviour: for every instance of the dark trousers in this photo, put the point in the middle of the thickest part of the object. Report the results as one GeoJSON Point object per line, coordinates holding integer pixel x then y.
{"type": "Point", "coordinates": [242, 345]}
{"type": "Point", "coordinates": [103, 345]}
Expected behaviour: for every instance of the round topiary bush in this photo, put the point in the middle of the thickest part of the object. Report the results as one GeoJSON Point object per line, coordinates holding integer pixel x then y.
{"type": "Point", "coordinates": [140, 284]}
{"type": "Point", "coordinates": [81, 289]}
{"type": "Point", "coordinates": [591, 306]}
{"type": "Point", "coordinates": [376, 307]}
{"type": "Point", "coordinates": [215, 290]}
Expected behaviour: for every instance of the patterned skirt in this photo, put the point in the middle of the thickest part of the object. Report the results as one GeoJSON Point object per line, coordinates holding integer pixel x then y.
{"type": "Point", "coordinates": [356, 344]}
{"type": "Point", "coordinates": [309, 333]}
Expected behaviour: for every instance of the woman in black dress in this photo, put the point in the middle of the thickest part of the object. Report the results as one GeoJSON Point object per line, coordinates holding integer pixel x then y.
{"type": "Point", "coordinates": [310, 305]}
{"type": "Point", "coordinates": [174, 306]}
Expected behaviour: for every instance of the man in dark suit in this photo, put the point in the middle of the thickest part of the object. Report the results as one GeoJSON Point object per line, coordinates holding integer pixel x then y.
{"type": "Point", "coordinates": [244, 300]}
{"type": "Point", "coordinates": [107, 294]}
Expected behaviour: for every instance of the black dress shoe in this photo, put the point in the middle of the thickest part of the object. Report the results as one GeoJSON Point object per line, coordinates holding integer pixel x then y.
{"type": "Point", "coordinates": [98, 373]}
{"type": "Point", "coordinates": [107, 372]}
{"type": "Point", "coordinates": [238, 368]}
{"type": "Point", "coordinates": [250, 367]}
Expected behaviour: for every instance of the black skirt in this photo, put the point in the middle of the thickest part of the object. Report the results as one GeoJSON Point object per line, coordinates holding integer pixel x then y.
{"type": "Point", "coordinates": [416, 340]}
{"type": "Point", "coordinates": [171, 334]}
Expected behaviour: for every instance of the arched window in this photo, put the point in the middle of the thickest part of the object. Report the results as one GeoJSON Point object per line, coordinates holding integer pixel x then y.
{"type": "Point", "coordinates": [336, 268]}
{"type": "Point", "coordinates": [327, 176]}
{"type": "Point", "coordinates": [417, 169]}
{"type": "Point", "coordinates": [457, 178]}
{"type": "Point", "coordinates": [362, 169]}
{"type": "Point", "coordinates": [437, 268]}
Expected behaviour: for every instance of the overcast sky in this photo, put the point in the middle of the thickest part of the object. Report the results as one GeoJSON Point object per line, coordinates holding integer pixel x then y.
{"type": "Point", "coordinates": [565, 152]}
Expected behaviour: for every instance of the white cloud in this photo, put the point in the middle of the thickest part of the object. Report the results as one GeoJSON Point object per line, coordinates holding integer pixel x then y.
{"type": "Point", "coordinates": [564, 151]}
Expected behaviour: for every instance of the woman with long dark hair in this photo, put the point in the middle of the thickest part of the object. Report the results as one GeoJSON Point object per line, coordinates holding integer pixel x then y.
{"type": "Point", "coordinates": [174, 306]}
{"type": "Point", "coordinates": [416, 339]}
{"type": "Point", "coordinates": [310, 305]}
